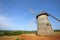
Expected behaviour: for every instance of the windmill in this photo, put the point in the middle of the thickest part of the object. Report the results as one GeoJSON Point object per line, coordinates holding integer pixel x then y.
{"type": "Point", "coordinates": [44, 27]}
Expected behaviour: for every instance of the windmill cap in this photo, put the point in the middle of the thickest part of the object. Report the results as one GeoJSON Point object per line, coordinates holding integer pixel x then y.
{"type": "Point", "coordinates": [42, 13]}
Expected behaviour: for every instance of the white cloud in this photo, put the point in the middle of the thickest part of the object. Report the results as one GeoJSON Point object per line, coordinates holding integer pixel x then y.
{"type": "Point", "coordinates": [4, 22]}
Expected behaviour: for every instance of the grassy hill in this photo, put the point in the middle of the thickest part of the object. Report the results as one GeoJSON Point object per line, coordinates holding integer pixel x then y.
{"type": "Point", "coordinates": [17, 32]}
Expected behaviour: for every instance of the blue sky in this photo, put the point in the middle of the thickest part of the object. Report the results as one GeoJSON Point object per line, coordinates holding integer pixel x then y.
{"type": "Point", "coordinates": [15, 14]}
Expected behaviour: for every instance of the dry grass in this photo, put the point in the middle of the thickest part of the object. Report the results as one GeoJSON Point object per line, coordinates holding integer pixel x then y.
{"type": "Point", "coordinates": [8, 37]}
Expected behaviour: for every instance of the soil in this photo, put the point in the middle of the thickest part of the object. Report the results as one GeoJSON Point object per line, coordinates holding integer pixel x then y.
{"type": "Point", "coordinates": [36, 37]}
{"type": "Point", "coordinates": [32, 37]}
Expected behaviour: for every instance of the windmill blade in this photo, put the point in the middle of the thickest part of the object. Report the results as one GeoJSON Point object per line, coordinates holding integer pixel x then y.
{"type": "Point", "coordinates": [54, 17]}
{"type": "Point", "coordinates": [32, 23]}
{"type": "Point", "coordinates": [32, 11]}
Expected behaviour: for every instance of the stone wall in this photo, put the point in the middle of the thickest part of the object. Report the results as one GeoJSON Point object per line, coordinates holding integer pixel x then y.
{"type": "Point", "coordinates": [44, 26]}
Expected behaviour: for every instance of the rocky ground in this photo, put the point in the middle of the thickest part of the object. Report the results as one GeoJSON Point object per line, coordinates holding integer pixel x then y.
{"type": "Point", "coordinates": [32, 37]}
{"type": "Point", "coordinates": [35, 37]}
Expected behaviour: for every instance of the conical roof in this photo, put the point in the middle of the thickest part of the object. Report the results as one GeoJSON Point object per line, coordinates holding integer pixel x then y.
{"type": "Point", "coordinates": [42, 13]}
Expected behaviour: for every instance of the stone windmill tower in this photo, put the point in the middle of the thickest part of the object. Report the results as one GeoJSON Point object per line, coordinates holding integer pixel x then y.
{"type": "Point", "coordinates": [44, 27]}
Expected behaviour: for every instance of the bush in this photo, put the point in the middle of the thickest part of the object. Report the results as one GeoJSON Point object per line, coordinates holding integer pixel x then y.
{"type": "Point", "coordinates": [2, 34]}
{"type": "Point", "coordinates": [19, 39]}
{"type": "Point", "coordinates": [11, 33]}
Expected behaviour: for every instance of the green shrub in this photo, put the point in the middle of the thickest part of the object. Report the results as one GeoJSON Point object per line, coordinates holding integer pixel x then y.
{"type": "Point", "coordinates": [11, 33]}
{"type": "Point", "coordinates": [2, 34]}
{"type": "Point", "coordinates": [19, 39]}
